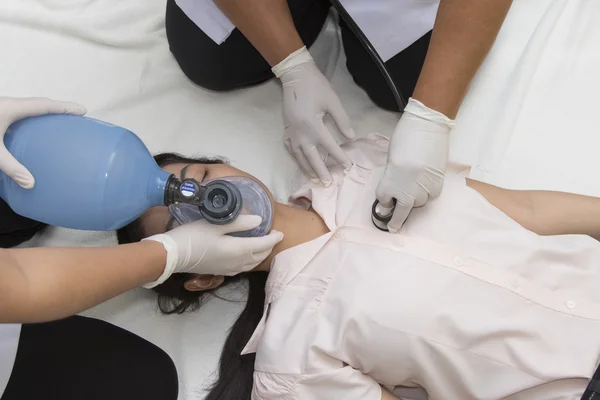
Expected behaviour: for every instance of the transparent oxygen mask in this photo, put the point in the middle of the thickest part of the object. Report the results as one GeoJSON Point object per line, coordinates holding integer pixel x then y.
{"type": "Point", "coordinates": [223, 200]}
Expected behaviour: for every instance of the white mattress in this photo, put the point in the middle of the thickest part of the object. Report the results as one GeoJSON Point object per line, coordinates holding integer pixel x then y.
{"type": "Point", "coordinates": [524, 120]}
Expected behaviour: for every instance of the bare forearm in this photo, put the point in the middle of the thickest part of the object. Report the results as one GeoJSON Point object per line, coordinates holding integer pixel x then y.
{"type": "Point", "coordinates": [49, 283]}
{"type": "Point", "coordinates": [544, 212]}
{"type": "Point", "coordinates": [267, 24]}
{"type": "Point", "coordinates": [463, 34]}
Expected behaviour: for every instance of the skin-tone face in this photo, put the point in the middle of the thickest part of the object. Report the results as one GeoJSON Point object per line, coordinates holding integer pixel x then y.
{"type": "Point", "coordinates": [298, 226]}
{"type": "Point", "coordinates": [158, 219]}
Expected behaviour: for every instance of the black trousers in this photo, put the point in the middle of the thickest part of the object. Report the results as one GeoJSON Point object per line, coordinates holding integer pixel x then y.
{"type": "Point", "coordinates": [236, 63]}
{"type": "Point", "coordinates": [82, 358]}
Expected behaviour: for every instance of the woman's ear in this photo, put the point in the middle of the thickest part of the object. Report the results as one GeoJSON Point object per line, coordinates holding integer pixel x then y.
{"type": "Point", "coordinates": [203, 282]}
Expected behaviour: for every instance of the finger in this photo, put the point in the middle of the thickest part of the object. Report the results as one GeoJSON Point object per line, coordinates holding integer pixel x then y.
{"type": "Point", "coordinates": [301, 160]}
{"type": "Point", "coordinates": [40, 106]}
{"type": "Point", "coordinates": [333, 148]}
{"type": "Point", "coordinates": [14, 169]}
{"type": "Point", "coordinates": [436, 186]}
{"type": "Point", "coordinates": [267, 242]}
{"type": "Point", "coordinates": [317, 164]}
{"type": "Point", "coordinates": [337, 112]}
{"type": "Point", "coordinates": [258, 248]}
{"type": "Point", "coordinates": [404, 205]}
{"type": "Point", "coordinates": [384, 191]}
{"type": "Point", "coordinates": [261, 247]}
{"type": "Point", "coordinates": [260, 257]}
{"type": "Point", "coordinates": [241, 223]}
{"type": "Point", "coordinates": [255, 245]}
{"type": "Point", "coordinates": [421, 197]}
{"type": "Point", "coordinates": [436, 191]}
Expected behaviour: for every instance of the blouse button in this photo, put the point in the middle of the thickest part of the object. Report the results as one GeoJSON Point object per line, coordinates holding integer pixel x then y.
{"type": "Point", "coordinates": [458, 262]}
{"type": "Point", "coordinates": [571, 304]}
{"type": "Point", "coordinates": [398, 242]}
{"type": "Point", "coordinates": [339, 234]}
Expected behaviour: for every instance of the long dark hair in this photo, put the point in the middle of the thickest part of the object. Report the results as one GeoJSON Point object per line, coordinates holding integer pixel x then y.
{"type": "Point", "coordinates": [235, 371]}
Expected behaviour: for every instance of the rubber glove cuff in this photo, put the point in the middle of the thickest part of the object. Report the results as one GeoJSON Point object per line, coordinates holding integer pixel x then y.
{"type": "Point", "coordinates": [172, 258]}
{"type": "Point", "coordinates": [298, 57]}
{"type": "Point", "coordinates": [418, 109]}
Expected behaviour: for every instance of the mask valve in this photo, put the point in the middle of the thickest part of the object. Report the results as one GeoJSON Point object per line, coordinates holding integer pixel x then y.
{"type": "Point", "coordinates": [220, 202]}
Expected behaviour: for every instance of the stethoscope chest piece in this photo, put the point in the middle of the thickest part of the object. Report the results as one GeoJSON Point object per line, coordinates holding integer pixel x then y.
{"type": "Point", "coordinates": [381, 215]}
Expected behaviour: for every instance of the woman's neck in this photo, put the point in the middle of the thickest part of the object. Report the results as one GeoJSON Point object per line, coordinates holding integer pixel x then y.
{"type": "Point", "coordinates": [297, 225]}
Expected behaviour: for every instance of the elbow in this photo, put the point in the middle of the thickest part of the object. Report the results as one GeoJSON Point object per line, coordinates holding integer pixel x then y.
{"type": "Point", "coordinates": [535, 216]}
{"type": "Point", "coordinates": [526, 214]}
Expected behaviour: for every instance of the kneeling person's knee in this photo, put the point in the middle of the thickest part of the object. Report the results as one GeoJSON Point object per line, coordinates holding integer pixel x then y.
{"type": "Point", "coordinates": [232, 64]}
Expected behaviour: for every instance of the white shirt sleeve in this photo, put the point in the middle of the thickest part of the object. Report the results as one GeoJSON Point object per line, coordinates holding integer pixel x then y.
{"type": "Point", "coordinates": [9, 342]}
{"type": "Point", "coordinates": [344, 383]}
{"type": "Point", "coordinates": [208, 17]}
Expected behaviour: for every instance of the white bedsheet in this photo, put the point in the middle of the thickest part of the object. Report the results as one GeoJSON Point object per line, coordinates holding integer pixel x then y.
{"type": "Point", "coordinates": [113, 57]}
{"type": "Point", "coordinates": [530, 120]}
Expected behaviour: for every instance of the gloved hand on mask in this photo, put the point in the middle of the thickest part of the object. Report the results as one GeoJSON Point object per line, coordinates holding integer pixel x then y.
{"type": "Point", "coordinates": [203, 248]}
{"type": "Point", "coordinates": [417, 160]}
{"type": "Point", "coordinates": [307, 98]}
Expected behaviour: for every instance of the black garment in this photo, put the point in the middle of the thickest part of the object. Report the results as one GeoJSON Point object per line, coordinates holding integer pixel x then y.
{"type": "Point", "coordinates": [405, 68]}
{"type": "Point", "coordinates": [82, 358]}
{"type": "Point", "coordinates": [15, 229]}
{"type": "Point", "coordinates": [593, 389]}
{"type": "Point", "coordinates": [236, 63]}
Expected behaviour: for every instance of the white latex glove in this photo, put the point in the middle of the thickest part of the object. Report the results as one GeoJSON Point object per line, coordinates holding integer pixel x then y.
{"type": "Point", "coordinates": [417, 160]}
{"type": "Point", "coordinates": [12, 110]}
{"type": "Point", "coordinates": [307, 97]}
{"type": "Point", "coordinates": [203, 248]}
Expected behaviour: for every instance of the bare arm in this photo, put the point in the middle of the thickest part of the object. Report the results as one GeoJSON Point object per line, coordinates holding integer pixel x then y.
{"type": "Point", "coordinates": [50, 283]}
{"type": "Point", "coordinates": [267, 24]}
{"type": "Point", "coordinates": [464, 32]}
{"type": "Point", "coordinates": [546, 213]}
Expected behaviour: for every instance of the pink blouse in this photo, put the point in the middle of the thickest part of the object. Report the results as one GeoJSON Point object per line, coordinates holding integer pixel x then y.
{"type": "Point", "coordinates": [463, 302]}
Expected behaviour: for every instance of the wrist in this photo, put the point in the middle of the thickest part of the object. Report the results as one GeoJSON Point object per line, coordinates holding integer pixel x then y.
{"type": "Point", "coordinates": [416, 108]}
{"type": "Point", "coordinates": [163, 260]}
{"type": "Point", "coordinates": [444, 100]}
{"type": "Point", "coordinates": [300, 56]}
{"type": "Point", "coordinates": [280, 50]}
